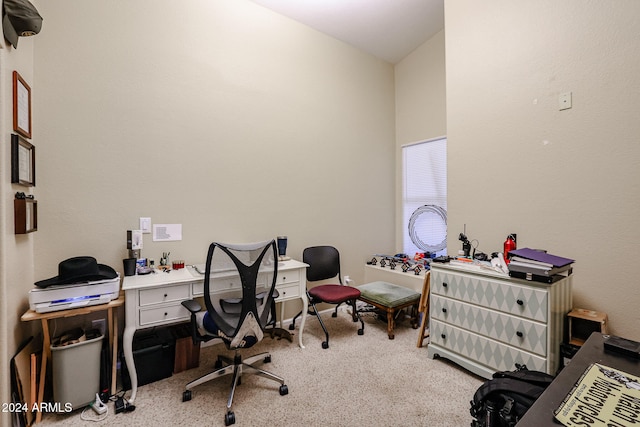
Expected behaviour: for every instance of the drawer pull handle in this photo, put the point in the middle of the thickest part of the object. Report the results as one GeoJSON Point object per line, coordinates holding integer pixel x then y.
{"type": "Point", "coordinates": [520, 302]}
{"type": "Point", "coordinates": [284, 278]}
{"type": "Point", "coordinates": [165, 295]}
{"type": "Point", "coordinates": [443, 336]}
{"type": "Point", "coordinates": [519, 334]}
{"type": "Point", "coordinates": [166, 314]}
{"type": "Point", "coordinates": [444, 284]}
{"type": "Point", "coordinates": [444, 310]}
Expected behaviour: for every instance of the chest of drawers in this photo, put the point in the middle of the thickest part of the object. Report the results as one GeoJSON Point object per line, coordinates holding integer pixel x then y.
{"type": "Point", "coordinates": [488, 322]}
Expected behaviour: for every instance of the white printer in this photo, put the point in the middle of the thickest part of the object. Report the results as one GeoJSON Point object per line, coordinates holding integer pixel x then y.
{"type": "Point", "coordinates": [63, 297]}
{"type": "Point", "coordinates": [80, 282]}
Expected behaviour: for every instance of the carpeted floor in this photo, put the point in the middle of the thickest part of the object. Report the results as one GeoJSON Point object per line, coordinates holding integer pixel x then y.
{"type": "Point", "coordinates": [365, 380]}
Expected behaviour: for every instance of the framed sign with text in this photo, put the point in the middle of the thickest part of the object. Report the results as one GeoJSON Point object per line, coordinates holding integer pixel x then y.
{"type": "Point", "coordinates": [23, 161]}
{"type": "Point", "coordinates": [21, 106]}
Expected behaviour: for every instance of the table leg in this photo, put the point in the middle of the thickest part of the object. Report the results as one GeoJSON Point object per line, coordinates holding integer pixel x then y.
{"type": "Point", "coordinates": [390, 324]}
{"type": "Point", "coordinates": [114, 355]}
{"type": "Point", "coordinates": [281, 313]}
{"type": "Point", "coordinates": [127, 347]}
{"type": "Point", "coordinates": [46, 355]}
{"type": "Point", "coordinates": [305, 304]}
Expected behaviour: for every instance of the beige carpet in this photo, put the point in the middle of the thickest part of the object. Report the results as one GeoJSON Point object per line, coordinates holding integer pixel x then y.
{"type": "Point", "coordinates": [365, 380]}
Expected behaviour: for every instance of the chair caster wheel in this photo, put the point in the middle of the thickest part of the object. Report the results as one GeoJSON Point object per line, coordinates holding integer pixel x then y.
{"type": "Point", "coordinates": [334, 314]}
{"type": "Point", "coordinates": [325, 344]}
{"type": "Point", "coordinates": [360, 331]}
{"type": "Point", "coordinates": [267, 359]}
{"type": "Point", "coordinates": [218, 364]}
{"type": "Point", "coordinates": [284, 390]}
{"type": "Point", "coordinates": [186, 395]}
{"type": "Point", "coordinates": [292, 327]}
{"type": "Point", "coordinates": [229, 418]}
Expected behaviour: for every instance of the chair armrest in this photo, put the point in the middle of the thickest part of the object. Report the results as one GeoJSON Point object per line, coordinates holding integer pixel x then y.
{"type": "Point", "coordinates": [192, 305]}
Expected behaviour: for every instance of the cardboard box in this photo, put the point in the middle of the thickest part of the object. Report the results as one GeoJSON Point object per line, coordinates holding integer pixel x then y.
{"type": "Point", "coordinates": [187, 353]}
{"type": "Point", "coordinates": [582, 323]}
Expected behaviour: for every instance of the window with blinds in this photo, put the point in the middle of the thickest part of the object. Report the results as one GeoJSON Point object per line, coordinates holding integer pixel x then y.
{"type": "Point", "coordinates": [424, 200]}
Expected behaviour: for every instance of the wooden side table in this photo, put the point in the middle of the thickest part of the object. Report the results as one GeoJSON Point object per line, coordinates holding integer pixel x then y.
{"type": "Point", "coordinates": [112, 324]}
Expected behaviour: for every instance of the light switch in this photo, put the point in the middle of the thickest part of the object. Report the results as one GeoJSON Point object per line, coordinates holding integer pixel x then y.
{"type": "Point", "coordinates": [564, 101]}
{"type": "Point", "coordinates": [145, 225]}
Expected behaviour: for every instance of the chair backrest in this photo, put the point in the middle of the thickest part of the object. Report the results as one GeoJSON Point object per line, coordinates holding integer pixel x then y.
{"type": "Point", "coordinates": [324, 263]}
{"type": "Point", "coordinates": [239, 284]}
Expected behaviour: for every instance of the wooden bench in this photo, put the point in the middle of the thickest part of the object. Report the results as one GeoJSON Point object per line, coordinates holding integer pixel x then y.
{"type": "Point", "coordinates": [391, 299]}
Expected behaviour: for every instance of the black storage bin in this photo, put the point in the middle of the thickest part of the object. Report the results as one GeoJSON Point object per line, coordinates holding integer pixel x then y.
{"type": "Point", "coordinates": [153, 354]}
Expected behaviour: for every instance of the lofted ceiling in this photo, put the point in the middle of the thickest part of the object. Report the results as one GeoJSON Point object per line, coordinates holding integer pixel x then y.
{"type": "Point", "coordinates": [387, 29]}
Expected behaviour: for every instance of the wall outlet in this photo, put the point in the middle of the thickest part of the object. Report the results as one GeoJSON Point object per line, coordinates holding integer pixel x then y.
{"type": "Point", "coordinates": [99, 324]}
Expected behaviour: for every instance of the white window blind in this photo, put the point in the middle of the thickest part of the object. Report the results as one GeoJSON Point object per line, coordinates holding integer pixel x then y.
{"type": "Point", "coordinates": [425, 197]}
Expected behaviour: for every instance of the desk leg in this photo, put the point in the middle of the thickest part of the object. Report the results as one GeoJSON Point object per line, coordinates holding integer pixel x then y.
{"type": "Point", "coordinates": [127, 347]}
{"type": "Point", "coordinates": [305, 304]}
{"type": "Point", "coordinates": [46, 355]}
{"type": "Point", "coordinates": [281, 313]}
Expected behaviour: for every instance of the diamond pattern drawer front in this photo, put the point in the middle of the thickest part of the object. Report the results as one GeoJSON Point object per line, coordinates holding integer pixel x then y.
{"type": "Point", "coordinates": [516, 331]}
{"type": "Point", "coordinates": [483, 350]}
{"type": "Point", "coordinates": [500, 295]}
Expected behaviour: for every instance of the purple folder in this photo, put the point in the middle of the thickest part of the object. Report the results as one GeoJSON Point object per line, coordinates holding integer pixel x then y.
{"type": "Point", "coordinates": [534, 255]}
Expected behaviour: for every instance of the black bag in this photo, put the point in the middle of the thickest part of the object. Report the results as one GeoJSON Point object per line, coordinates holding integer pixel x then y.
{"type": "Point", "coordinates": [503, 400]}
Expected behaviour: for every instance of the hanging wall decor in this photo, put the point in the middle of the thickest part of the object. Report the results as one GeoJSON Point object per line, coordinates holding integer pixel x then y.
{"type": "Point", "coordinates": [23, 161]}
{"type": "Point", "coordinates": [21, 106]}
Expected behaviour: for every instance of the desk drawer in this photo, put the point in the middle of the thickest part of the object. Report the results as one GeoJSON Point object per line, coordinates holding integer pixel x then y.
{"type": "Point", "coordinates": [166, 314]}
{"type": "Point", "coordinates": [288, 292]}
{"type": "Point", "coordinates": [219, 285]}
{"type": "Point", "coordinates": [289, 276]}
{"type": "Point", "coordinates": [512, 330]}
{"type": "Point", "coordinates": [164, 294]}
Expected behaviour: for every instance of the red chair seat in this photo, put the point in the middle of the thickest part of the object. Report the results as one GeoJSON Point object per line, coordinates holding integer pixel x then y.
{"type": "Point", "coordinates": [334, 294]}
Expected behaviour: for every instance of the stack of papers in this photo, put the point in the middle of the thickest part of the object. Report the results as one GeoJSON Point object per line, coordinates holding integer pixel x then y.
{"type": "Point", "coordinates": [532, 264]}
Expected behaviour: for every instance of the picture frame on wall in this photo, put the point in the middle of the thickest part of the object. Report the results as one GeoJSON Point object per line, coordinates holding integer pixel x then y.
{"type": "Point", "coordinates": [25, 214]}
{"type": "Point", "coordinates": [23, 161]}
{"type": "Point", "coordinates": [21, 106]}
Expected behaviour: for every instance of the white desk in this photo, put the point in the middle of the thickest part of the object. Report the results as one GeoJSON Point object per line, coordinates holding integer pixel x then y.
{"type": "Point", "coordinates": [155, 300]}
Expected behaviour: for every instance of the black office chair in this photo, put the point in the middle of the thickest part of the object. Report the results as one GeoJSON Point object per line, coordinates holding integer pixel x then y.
{"type": "Point", "coordinates": [324, 264]}
{"type": "Point", "coordinates": [239, 289]}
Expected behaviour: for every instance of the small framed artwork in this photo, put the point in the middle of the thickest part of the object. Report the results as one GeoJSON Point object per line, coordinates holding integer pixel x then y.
{"type": "Point", "coordinates": [23, 161]}
{"type": "Point", "coordinates": [21, 106]}
{"type": "Point", "coordinates": [25, 214]}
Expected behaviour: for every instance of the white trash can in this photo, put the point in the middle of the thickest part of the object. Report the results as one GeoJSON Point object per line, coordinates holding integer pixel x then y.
{"type": "Point", "coordinates": [76, 372]}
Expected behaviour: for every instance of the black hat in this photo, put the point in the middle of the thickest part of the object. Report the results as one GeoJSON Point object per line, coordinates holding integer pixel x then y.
{"type": "Point", "coordinates": [20, 18]}
{"type": "Point", "coordinates": [79, 269]}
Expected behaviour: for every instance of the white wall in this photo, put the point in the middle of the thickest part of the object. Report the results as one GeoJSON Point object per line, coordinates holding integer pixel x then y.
{"type": "Point", "coordinates": [420, 105]}
{"type": "Point", "coordinates": [221, 115]}
{"type": "Point", "coordinates": [566, 181]}
{"type": "Point", "coordinates": [16, 251]}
